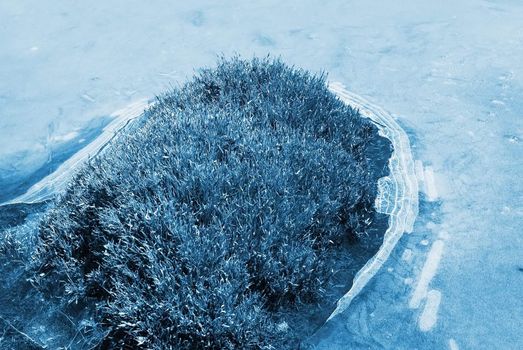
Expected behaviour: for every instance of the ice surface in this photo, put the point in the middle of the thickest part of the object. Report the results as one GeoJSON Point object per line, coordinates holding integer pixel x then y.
{"type": "Point", "coordinates": [58, 179]}
{"type": "Point", "coordinates": [450, 71]}
{"type": "Point", "coordinates": [397, 192]}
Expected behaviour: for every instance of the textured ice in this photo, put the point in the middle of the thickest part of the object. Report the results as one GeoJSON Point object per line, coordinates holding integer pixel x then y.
{"type": "Point", "coordinates": [397, 192]}
{"type": "Point", "coordinates": [450, 72]}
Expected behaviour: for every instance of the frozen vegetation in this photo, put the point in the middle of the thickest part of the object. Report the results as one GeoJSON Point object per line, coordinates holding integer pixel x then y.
{"type": "Point", "coordinates": [216, 219]}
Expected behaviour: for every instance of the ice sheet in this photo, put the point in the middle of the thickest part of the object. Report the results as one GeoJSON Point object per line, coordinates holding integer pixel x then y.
{"type": "Point", "coordinates": [450, 72]}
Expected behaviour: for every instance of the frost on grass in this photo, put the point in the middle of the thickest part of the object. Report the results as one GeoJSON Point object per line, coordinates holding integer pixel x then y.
{"type": "Point", "coordinates": [215, 218]}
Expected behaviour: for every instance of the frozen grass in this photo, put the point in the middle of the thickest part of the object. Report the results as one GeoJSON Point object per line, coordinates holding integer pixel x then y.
{"type": "Point", "coordinates": [219, 215]}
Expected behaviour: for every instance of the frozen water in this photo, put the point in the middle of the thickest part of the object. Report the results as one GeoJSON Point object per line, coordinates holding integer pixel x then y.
{"type": "Point", "coordinates": [57, 180]}
{"type": "Point", "coordinates": [450, 72]}
{"type": "Point", "coordinates": [397, 192]}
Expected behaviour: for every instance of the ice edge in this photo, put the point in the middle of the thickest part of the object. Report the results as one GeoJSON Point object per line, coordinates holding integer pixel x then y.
{"type": "Point", "coordinates": [55, 182]}
{"type": "Point", "coordinates": [403, 176]}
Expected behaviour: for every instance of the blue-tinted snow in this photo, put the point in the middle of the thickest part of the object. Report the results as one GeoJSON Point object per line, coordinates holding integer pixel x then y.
{"type": "Point", "coordinates": [451, 71]}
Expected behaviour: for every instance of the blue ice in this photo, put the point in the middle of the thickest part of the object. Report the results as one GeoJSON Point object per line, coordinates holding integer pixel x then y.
{"type": "Point", "coordinates": [449, 72]}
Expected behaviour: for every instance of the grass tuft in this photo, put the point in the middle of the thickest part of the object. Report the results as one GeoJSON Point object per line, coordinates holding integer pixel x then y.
{"type": "Point", "coordinates": [219, 214]}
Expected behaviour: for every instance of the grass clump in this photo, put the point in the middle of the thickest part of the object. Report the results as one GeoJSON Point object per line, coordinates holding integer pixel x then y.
{"type": "Point", "coordinates": [205, 225]}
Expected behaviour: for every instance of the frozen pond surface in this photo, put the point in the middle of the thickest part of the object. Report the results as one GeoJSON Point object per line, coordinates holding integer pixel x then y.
{"type": "Point", "coordinates": [451, 71]}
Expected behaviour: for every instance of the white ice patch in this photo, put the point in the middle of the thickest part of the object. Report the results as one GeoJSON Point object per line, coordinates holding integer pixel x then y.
{"type": "Point", "coordinates": [429, 316]}
{"type": "Point", "coordinates": [66, 137]}
{"type": "Point", "coordinates": [419, 171]}
{"type": "Point", "coordinates": [443, 234]}
{"type": "Point", "coordinates": [407, 255]}
{"type": "Point", "coordinates": [453, 345]}
{"type": "Point", "coordinates": [88, 98]}
{"type": "Point", "coordinates": [427, 274]}
{"type": "Point", "coordinates": [430, 184]}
